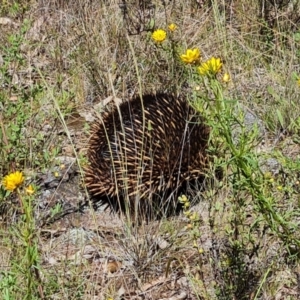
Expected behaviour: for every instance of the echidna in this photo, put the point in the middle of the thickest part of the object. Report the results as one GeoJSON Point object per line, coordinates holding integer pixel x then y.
{"type": "Point", "coordinates": [144, 152]}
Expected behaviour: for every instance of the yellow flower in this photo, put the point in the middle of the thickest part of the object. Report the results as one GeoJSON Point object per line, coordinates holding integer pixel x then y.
{"type": "Point", "coordinates": [191, 56]}
{"type": "Point", "coordinates": [193, 217]}
{"type": "Point", "coordinates": [13, 181]}
{"type": "Point", "coordinates": [201, 250]}
{"type": "Point", "coordinates": [183, 199]}
{"type": "Point", "coordinates": [172, 27]}
{"type": "Point", "coordinates": [268, 175]}
{"type": "Point", "coordinates": [159, 35]}
{"type": "Point", "coordinates": [30, 190]}
{"type": "Point", "coordinates": [210, 67]}
{"type": "Point", "coordinates": [226, 77]}
{"type": "Point", "coordinates": [298, 81]}
{"type": "Point", "coordinates": [186, 205]}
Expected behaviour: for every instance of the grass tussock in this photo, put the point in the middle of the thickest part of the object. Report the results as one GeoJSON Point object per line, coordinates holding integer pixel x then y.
{"type": "Point", "coordinates": [236, 62]}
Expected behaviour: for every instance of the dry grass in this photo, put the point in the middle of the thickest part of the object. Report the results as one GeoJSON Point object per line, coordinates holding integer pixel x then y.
{"type": "Point", "coordinates": [58, 60]}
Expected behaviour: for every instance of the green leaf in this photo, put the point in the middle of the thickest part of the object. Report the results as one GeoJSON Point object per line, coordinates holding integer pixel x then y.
{"type": "Point", "coordinates": [280, 118]}
{"type": "Point", "coordinates": [297, 36]}
{"type": "Point", "coordinates": [151, 24]}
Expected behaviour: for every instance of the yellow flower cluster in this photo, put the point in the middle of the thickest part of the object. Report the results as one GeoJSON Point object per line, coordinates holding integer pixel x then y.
{"type": "Point", "coordinates": [160, 35]}
{"type": "Point", "coordinates": [191, 56]}
{"type": "Point", "coordinates": [194, 220]}
{"type": "Point", "coordinates": [211, 67]}
{"type": "Point", "coordinates": [13, 181]}
{"type": "Point", "coordinates": [185, 201]}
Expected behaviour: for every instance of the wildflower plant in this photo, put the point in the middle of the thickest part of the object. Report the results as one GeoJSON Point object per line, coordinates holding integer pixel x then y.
{"type": "Point", "coordinates": [167, 40]}
{"type": "Point", "coordinates": [193, 221]}
{"type": "Point", "coordinates": [222, 115]}
{"type": "Point", "coordinates": [234, 152]}
{"type": "Point", "coordinates": [26, 231]}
